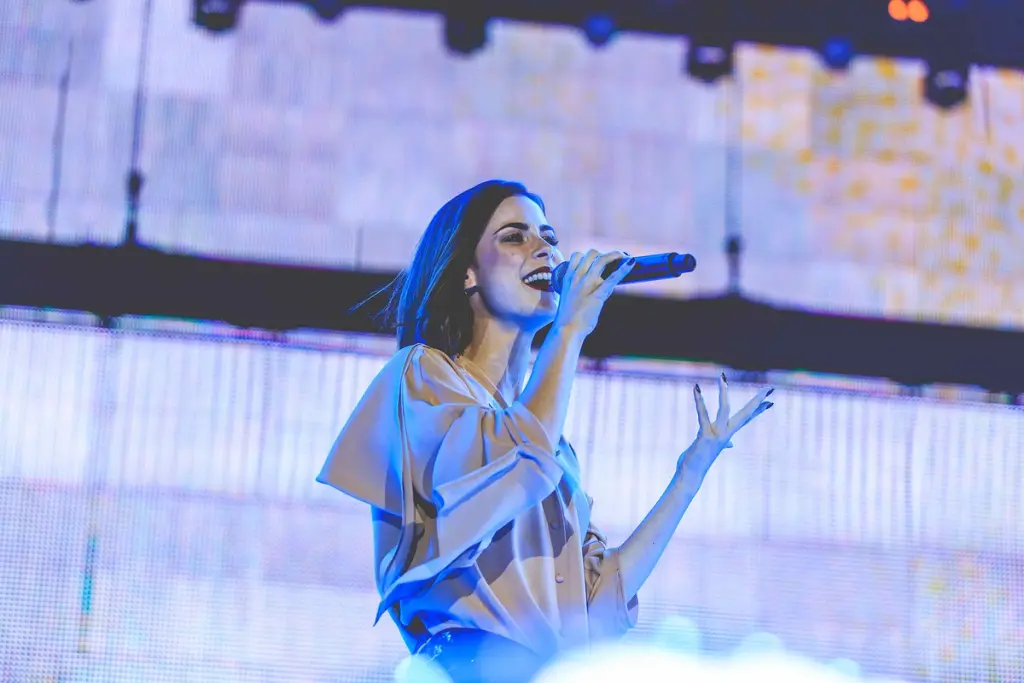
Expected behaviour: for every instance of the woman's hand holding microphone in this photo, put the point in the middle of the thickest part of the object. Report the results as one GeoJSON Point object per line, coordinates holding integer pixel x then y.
{"type": "Point", "coordinates": [584, 291]}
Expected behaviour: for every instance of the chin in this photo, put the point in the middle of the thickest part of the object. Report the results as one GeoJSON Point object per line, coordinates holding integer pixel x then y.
{"type": "Point", "coordinates": [546, 301]}
{"type": "Point", "coordinates": [544, 314]}
{"type": "Point", "coordinates": [527, 308]}
{"type": "Point", "coordinates": [541, 313]}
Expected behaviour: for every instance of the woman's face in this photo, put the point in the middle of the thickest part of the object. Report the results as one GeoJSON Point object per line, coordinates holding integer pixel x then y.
{"type": "Point", "coordinates": [515, 244]}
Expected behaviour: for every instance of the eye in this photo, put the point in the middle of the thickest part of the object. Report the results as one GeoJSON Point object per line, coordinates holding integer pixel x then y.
{"type": "Point", "coordinates": [552, 240]}
{"type": "Point", "coordinates": [513, 237]}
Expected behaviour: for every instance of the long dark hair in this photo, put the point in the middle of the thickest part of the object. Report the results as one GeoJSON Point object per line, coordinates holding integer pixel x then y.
{"type": "Point", "coordinates": [428, 303]}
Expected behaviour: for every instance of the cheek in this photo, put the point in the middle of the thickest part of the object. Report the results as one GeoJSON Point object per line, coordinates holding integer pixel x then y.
{"type": "Point", "coordinates": [504, 268]}
{"type": "Point", "coordinates": [504, 283]}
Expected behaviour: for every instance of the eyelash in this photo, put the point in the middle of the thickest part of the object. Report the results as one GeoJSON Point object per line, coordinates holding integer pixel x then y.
{"type": "Point", "coordinates": [518, 237]}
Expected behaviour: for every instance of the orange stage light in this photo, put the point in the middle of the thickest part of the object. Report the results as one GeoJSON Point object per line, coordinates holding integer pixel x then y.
{"type": "Point", "coordinates": [917, 11]}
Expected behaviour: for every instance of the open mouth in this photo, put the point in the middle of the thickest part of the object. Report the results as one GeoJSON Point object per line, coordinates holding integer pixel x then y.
{"type": "Point", "coordinates": [539, 279]}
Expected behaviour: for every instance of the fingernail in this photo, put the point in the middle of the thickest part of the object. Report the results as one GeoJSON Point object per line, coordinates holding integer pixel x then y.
{"type": "Point", "coordinates": [630, 261]}
{"type": "Point", "coordinates": [768, 405]}
{"type": "Point", "coordinates": [698, 388]}
{"type": "Point", "coordinates": [770, 391]}
{"type": "Point", "coordinates": [724, 379]}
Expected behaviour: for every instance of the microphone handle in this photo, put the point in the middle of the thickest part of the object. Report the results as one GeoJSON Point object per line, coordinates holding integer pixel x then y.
{"type": "Point", "coordinates": [651, 267]}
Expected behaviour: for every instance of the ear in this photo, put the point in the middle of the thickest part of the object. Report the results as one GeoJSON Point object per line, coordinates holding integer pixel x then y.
{"type": "Point", "coordinates": [470, 278]}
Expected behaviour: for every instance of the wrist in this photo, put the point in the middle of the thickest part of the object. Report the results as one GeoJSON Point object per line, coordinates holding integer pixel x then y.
{"type": "Point", "coordinates": [688, 479]}
{"type": "Point", "coordinates": [691, 468]}
{"type": "Point", "coordinates": [566, 334]}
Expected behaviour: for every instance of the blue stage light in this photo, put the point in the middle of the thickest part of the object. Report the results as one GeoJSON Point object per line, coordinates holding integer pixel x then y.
{"type": "Point", "coordinates": [838, 53]}
{"type": "Point", "coordinates": [599, 29]}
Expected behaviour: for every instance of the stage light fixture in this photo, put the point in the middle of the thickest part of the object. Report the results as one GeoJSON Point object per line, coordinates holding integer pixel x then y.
{"type": "Point", "coordinates": [708, 62]}
{"type": "Point", "coordinates": [950, 53]}
{"type": "Point", "coordinates": [945, 86]}
{"type": "Point", "coordinates": [710, 53]}
{"type": "Point", "coordinates": [327, 10]}
{"type": "Point", "coordinates": [465, 33]}
{"type": "Point", "coordinates": [837, 53]}
{"type": "Point", "coordinates": [599, 29]}
{"type": "Point", "coordinates": [216, 16]}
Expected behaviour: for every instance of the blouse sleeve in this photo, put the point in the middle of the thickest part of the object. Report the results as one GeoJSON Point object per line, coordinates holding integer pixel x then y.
{"type": "Point", "coordinates": [420, 446]}
{"type": "Point", "coordinates": [609, 613]}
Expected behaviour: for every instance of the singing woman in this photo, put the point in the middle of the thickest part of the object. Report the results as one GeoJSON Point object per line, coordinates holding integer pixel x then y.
{"type": "Point", "coordinates": [486, 555]}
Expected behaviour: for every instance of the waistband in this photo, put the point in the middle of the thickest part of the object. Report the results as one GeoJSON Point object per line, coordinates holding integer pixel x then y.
{"type": "Point", "coordinates": [471, 655]}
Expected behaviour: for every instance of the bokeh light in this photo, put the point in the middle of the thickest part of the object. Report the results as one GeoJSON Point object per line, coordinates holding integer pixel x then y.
{"type": "Point", "coordinates": [898, 10]}
{"type": "Point", "coordinates": [917, 11]}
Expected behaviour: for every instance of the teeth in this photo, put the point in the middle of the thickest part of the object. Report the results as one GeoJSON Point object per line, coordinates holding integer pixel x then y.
{"type": "Point", "coordinates": [537, 277]}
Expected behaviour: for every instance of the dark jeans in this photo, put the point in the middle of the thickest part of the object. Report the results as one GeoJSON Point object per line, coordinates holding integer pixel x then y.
{"type": "Point", "coordinates": [473, 656]}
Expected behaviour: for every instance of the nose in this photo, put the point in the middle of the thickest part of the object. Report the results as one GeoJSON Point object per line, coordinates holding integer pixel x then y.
{"type": "Point", "coordinates": [543, 250]}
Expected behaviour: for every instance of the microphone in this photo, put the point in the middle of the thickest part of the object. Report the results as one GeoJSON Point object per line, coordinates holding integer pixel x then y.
{"type": "Point", "coordinates": [652, 267]}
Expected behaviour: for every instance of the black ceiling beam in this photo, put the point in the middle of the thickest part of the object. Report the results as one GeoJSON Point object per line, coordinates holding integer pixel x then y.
{"type": "Point", "coordinates": [991, 29]}
{"type": "Point", "coordinates": [115, 281]}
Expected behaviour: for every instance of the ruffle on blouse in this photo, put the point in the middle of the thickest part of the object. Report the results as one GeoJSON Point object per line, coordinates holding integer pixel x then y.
{"type": "Point", "coordinates": [452, 468]}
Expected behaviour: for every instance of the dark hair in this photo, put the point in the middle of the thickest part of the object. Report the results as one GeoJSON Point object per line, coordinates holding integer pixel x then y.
{"type": "Point", "coordinates": [428, 302]}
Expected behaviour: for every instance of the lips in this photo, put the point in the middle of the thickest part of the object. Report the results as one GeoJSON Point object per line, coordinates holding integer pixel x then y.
{"type": "Point", "coordinates": [539, 279]}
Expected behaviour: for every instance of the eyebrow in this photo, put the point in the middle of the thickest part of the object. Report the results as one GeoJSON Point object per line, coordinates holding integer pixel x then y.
{"type": "Point", "coordinates": [524, 227]}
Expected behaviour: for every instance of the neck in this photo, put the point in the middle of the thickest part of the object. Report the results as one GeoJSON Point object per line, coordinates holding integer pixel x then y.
{"type": "Point", "coordinates": [502, 353]}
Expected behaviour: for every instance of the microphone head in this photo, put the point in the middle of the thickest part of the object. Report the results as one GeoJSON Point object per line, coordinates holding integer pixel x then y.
{"type": "Point", "coordinates": [683, 263]}
{"type": "Point", "coordinates": [558, 275]}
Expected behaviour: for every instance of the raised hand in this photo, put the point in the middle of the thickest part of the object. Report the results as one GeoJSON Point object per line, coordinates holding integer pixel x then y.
{"type": "Point", "coordinates": [715, 436]}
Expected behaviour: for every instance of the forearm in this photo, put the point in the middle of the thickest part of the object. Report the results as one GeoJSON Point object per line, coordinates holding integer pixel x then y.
{"type": "Point", "coordinates": [639, 554]}
{"type": "Point", "coordinates": [547, 393]}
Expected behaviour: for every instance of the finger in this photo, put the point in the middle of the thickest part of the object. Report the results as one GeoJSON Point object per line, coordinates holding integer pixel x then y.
{"type": "Point", "coordinates": [760, 409]}
{"type": "Point", "coordinates": [747, 411]}
{"type": "Point", "coordinates": [617, 276]}
{"type": "Point", "coordinates": [703, 422]}
{"type": "Point", "coordinates": [723, 402]}
{"type": "Point", "coordinates": [754, 407]}
{"type": "Point", "coordinates": [588, 261]}
{"type": "Point", "coordinates": [576, 266]}
{"type": "Point", "coordinates": [597, 267]}
{"type": "Point", "coordinates": [574, 263]}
